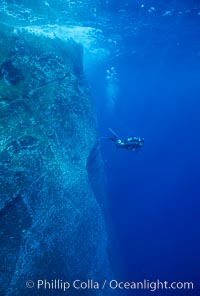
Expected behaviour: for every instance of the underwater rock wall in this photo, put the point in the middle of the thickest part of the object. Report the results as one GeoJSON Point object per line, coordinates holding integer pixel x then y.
{"type": "Point", "coordinates": [51, 222]}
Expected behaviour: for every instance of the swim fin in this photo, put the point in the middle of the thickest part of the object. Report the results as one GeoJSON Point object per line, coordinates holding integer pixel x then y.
{"type": "Point", "coordinates": [112, 132]}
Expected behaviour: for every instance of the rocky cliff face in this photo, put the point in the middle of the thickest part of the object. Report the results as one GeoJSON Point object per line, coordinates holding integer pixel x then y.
{"type": "Point", "coordinates": [51, 222]}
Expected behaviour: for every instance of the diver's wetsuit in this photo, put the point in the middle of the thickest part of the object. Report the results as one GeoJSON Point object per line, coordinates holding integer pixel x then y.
{"type": "Point", "coordinates": [131, 143]}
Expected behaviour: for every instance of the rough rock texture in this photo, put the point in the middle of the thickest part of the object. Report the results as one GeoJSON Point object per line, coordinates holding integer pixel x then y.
{"type": "Point", "coordinates": [51, 221]}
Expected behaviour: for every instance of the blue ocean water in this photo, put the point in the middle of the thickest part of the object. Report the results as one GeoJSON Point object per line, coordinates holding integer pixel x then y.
{"type": "Point", "coordinates": [142, 62]}
{"type": "Point", "coordinates": [154, 195]}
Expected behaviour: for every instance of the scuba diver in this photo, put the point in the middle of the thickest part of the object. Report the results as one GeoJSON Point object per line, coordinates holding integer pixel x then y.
{"type": "Point", "coordinates": [131, 143]}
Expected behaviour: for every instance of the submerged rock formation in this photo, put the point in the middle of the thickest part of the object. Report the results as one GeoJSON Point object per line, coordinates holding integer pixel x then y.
{"type": "Point", "coordinates": [51, 221]}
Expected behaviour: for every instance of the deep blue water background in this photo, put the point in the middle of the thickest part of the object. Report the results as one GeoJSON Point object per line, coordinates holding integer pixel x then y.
{"type": "Point", "coordinates": [154, 195]}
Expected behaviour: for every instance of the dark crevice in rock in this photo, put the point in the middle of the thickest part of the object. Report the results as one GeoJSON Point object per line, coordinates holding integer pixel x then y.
{"type": "Point", "coordinates": [48, 82]}
{"type": "Point", "coordinates": [9, 72]}
{"type": "Point", "coordinates": [96, 176]}
{"type": "Point", "coordinates": [13, 226]}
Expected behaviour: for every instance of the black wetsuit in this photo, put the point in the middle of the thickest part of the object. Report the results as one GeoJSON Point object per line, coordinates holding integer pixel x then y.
{"type": "Point", "coordinates": [131, 143]}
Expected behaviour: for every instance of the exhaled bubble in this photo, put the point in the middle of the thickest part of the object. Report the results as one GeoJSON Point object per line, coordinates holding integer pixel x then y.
{"type": "Point", "coordinates": [111, 89]}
